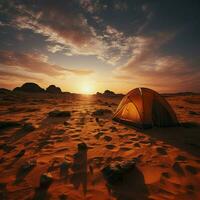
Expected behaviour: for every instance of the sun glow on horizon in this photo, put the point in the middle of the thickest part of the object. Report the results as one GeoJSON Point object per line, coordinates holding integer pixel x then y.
{"type": "Point", "coordinates": [87, 89]}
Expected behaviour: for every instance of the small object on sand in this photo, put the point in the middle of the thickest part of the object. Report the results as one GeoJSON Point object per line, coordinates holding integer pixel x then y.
{"type": "Point", "coordinates": [28, 127]}
{"type": "Point", "coordinates": [166, 174]}
{"type": "Point", "coordinates": [191, 169]}
{"type": "Point", "coordinates": [7, 148]}
{"type": "Point", "coordinates": [98, 135]}
{"type": "Point", "coordinates": [113, 129]}
{"type": "Point", "coordinates": [2, 159]}
{"type": "Point", "coordinates": [63, 197]}
{"type": "Point", "coordinates": [97, 119]}
{"type": "Point", "coordinates": [91, 169]}
{"type": "Point", "coordinates": [58, 113]}
{"type": "Point", "coordinates": [161, 151]}
{"type": "Point", "coordinates": [20, 154]}
{"type": "Point", "coordinates": [137, 144]}
{"type": "Point", "coordinates": [45, 180]}
{"type": "Point", "coordinates": [193, 113]}
{"type": "Point", "coordinates": [177, 168]}
{"type": "Point", "coordinates": [114, 174]}
{"type": "Point", "coordinates": [29, 165]}
{"type": "Point", "coordinates": [190, 187]}
{"type": "Point", "coordinates": [107, 138]}
{"type": "Point", "coordinates": [180, 158]}
{"type": "Point", "coordinates": [82, 146]}
{"type": "Point", "coordinates": [9, 124]}
{"type": "Point", "coordinates": [64, 168]}
{"type": "Point", "coordinates": [66, 123]}
{"type": "Point", "coordinates": [101, 112]}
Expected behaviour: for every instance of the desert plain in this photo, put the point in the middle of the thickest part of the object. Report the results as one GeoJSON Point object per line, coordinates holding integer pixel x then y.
{"type": "Point", "coordinates": [38, 146]}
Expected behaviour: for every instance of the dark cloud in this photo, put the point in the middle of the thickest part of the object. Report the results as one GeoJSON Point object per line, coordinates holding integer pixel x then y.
{"type": "Point", "coordinates": [148, 67]}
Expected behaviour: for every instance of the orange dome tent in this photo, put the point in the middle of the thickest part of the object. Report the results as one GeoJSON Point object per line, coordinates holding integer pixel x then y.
{"type": "Point", "coordinates": [145, 108]}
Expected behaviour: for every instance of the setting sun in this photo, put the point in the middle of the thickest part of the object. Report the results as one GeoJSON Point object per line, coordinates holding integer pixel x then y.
{"type": "Point", "coordinates": [87, 89]}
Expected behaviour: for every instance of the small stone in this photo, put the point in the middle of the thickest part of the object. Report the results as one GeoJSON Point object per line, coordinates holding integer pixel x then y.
{"type": "Point", "coordinates": [107, 138]}
{"type": "Point", "coordinates": [45, 180]}
{"type": "Point", "coordinates": [137, 145]}
{"type": "Point", "coordinates": [191, 169]}
{"type": "Point", "coordinates": [98, 135]}
{"type": "Point", "coordinates": [177, 168]}
{"type": "Point", "coordinates": [161, 151]}
{"type": "Point", "coordinates": [63, 197]}
{"type": "Point", "coordinates": [82, 146]}
{"type": "Point", "coordinates": [66, 123]}
{"type": "Point", "coordinates": [97, 119]}
{"type": "Point", "coordinates": [113, 129]}
{"type": "Point", "coordinates": [190, 187]}
{"type": "Point", "coordinates": [57, 113]}
{"type": "Point", "coordinates": [28, 127]}
{"type": "Point", "coordinates": [180, 158]}
{"type": "Point", "coordinates": [28, 165]}
{"type": "Point", "coordinates": [166, 174]}
{"type": "Point", "coordinates": [115, 173]}
{"type": "Point", "coordinates": [21, 153]}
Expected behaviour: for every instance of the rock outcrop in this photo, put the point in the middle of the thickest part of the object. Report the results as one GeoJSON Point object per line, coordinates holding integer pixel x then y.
{"type": "Point", "coordinates": [53, 89]}
{"type": "Point", "coordinates": [29, 87]}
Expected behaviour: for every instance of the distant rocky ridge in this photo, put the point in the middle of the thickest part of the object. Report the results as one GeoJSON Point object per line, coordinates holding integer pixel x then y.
{"type": "Point", "coordinates": [35, 88]}
{"type": "Point", "coordinates": [53, 89]}
{"type": "Point", "coordinates": [29, 87]}
{"type": "Point", "coordinates": [108, 93]}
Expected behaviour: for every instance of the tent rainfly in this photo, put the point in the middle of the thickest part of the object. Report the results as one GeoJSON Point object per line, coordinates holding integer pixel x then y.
{"type": "Point", "coordinates": [145, 108]}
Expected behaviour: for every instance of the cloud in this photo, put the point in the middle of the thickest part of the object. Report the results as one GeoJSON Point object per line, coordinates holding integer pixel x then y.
{"type": "Point", "coordinates": [10, 79]}
{"type": "Point", "coordinates": [149, 67]}
{"type": "Point", "coordinates": [80, 72]}
{"type": "Point", "coordinates": [35, 63]}
{"type": "Point", "coordinates": [67, 30]}
{"type": "Point", "coordinates": [30, 62]}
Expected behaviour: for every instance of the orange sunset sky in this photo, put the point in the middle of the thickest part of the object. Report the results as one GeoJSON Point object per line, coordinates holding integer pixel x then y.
{"type": "Point", "coordinates": [86, 46]}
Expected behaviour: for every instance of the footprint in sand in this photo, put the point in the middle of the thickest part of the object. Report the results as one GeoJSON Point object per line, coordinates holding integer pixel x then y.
{"type": "Point", "coordinates": [161, 150]}
{"type": "Point", "coordinates": [125, 149]}
{"type": "Point", "coordinates": [191, 169]}
{"type": "Point", "coordinates": [137, 145]}
{"type": "Point", "coordinates": [178, 169]}
{"type": "Point", "coordinates": [128, 142]}
{"type": "Point", "coordinates": [98, 135]}
{"type": "Point", "coordinates": [166, 174]}
{"type": "Point", "coordinates": [75, 136]}
{"type": "Point", "coordinates": [107, 138]}
{"type": "Point", "coordinates": [180, 158]}
{"type": "Point", "coordinates": [190, 188]}
{"type": "Point", "coordinates": [110, 146]}
{"type": "Point", "coordinates": [134, 139]}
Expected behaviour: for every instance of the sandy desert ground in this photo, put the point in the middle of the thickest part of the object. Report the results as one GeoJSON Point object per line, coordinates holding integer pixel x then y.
{"type": "Point", "coordinates": [34, 143]}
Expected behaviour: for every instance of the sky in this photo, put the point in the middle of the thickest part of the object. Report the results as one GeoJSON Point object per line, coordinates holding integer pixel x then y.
{"type": "Point", "coordinates": [85, 46]}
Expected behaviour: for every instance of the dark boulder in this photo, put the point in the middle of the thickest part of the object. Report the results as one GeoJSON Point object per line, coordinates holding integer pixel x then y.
{"type": "Point", "coordinates": [9, 124]}
{"type": "Point", "coordinates": [102, 112]}
{"type": "Point", "coordinates": [53, 89]}
{"type": "Point", "coordinates": [45, 180]}
{"type": "Point", "coordinates": [82, 146]}
{"type": "Point", "coordinates": [114, 174]}
{"type": "Point", "coordinates": [109, 93]}
{"type": "Point", "coordinates": [125, 181]}
{"type": "Point", "coordinates": [29, 87]}
{"type": "Point", "coordinates": [57, 113]}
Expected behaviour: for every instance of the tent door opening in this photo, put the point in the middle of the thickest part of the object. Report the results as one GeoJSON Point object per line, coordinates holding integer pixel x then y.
{"type": "Point", "coordinates": [160, 115]}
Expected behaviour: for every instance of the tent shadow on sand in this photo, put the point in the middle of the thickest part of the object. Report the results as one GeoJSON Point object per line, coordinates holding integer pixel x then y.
{"type": "Point", "coordinates": [183, 138]}
{"type": "Point", "coordinates": [132, 187]}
